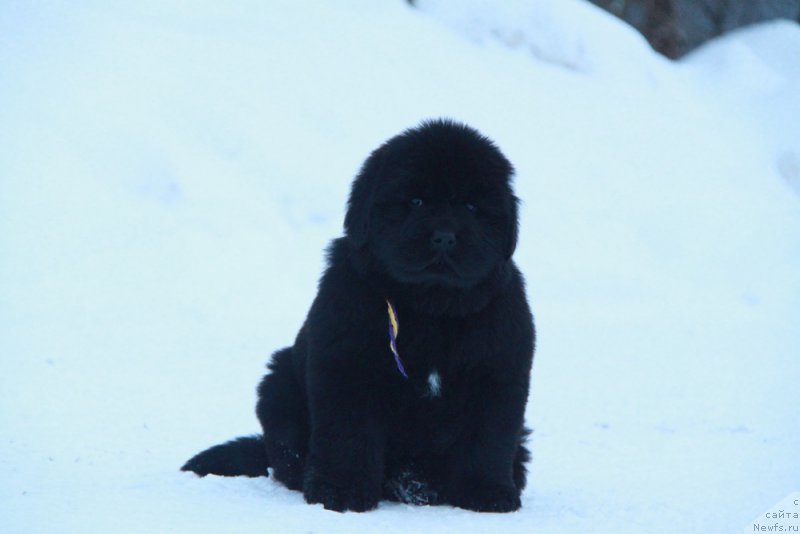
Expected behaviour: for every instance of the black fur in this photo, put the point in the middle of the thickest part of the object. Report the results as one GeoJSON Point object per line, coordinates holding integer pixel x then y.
{"type": "Point", "coordinates": [239, 457]}
{"type": "Point", "coordinates": [340, 421]}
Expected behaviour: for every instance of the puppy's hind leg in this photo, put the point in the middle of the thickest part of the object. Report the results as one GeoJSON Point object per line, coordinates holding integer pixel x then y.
{"type": "Point", "coordinates": [283, 414]}
{"type": "Point", "coordinates": [521, 459]}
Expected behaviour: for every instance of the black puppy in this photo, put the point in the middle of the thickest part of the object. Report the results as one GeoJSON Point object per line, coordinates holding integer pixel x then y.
{"type": "Point", "coordinates": [409, 379]}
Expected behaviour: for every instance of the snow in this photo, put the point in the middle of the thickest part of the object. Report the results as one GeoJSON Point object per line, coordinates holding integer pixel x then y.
{"type": "Point", "coordinates": [170, 175]}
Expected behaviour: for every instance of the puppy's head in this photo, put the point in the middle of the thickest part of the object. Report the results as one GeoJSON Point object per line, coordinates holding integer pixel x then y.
{"type": "Point", "coordinates": [434, 206]}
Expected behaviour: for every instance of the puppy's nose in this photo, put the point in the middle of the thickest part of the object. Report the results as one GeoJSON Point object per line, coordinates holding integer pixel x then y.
{"type": "Point", "coordinates": [443, 241]}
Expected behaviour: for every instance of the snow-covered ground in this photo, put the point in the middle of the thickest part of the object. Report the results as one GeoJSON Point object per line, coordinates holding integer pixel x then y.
{"type": "Point", "coordinates": [170, 173]}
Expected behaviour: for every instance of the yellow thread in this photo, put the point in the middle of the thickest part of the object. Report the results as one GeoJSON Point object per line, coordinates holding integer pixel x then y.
{"type": "Point", "coordinates": [393, 319]}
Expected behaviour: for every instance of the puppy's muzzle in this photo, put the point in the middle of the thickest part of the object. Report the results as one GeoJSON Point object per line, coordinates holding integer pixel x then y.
{"type": "Point", "coordinates": [443, 241]}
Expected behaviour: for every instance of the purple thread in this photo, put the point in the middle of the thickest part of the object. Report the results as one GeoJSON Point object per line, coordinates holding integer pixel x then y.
{"type": "Point", "coordinates": [393, 346]}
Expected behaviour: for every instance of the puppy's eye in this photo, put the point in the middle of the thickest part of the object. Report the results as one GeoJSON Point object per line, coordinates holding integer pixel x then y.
{"type": "Point", "coordinates": [471, 207]}
{"type": "Point", "coordinates": [416, 202]}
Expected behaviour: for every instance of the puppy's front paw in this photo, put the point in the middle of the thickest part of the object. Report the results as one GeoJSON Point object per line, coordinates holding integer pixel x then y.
{"type": "Point", "coordinates": [482, 496]}
{"type": "Point", "coordinates": [339, 497]}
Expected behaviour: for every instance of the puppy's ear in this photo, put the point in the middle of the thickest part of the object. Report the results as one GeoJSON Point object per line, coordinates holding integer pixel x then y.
{"type": "Point", "coordinates": [505, 168]}
{"type": "Point", "coordinates": [356, 220]}
{"type": "Point", "coordinates": [513, 230]}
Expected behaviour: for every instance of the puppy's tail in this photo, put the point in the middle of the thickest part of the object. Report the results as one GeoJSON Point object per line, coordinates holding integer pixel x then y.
{"type": "Point", "coordinates": [239, 457]}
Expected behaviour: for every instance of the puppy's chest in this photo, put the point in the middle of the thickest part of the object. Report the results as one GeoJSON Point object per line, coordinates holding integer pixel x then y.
{"type": "Point", "coordinates": [433, 354]}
